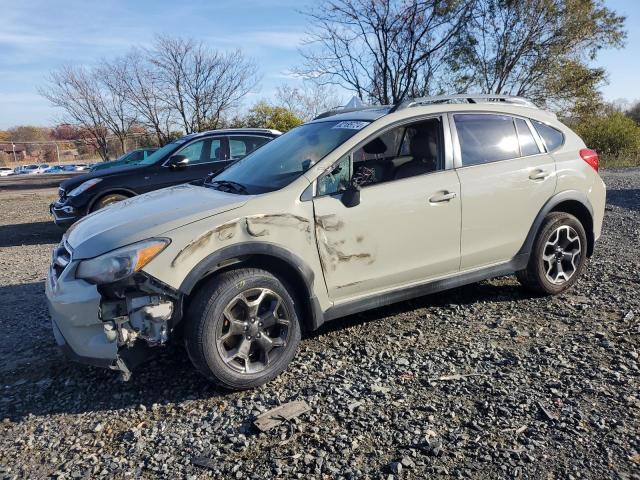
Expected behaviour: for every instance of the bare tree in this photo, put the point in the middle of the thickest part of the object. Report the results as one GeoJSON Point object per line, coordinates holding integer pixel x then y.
{"type": "Point", "coordinates": [198, 83]}
{"type": "Point", "coordinates": [77, 92]}
{"type": "Point", "coordinates": [115, 107]}
{"type": "Point", "coordinates": [383, 50]}
{"type": "Point", "coordinates": [309, 100]}
{"type": "Point", "coordinates": [536, 48]}
{"type": "Point", "coordinates": [144, 93]}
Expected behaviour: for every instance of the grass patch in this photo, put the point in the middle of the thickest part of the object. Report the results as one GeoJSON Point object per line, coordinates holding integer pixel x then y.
{"type": "Point", "coordinates": [619, 161]}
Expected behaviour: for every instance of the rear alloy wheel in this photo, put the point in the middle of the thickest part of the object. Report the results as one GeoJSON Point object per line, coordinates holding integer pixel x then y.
{"type": "Point", "coordinates": [108, 200]}
{"type": "Point", "coordinates": [242, 328]}
{"type": "Point", "coordinates": [558, 256]}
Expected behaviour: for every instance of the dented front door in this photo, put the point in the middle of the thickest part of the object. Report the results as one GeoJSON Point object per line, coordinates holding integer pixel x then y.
{"type": "Point", "coordinates": [402, 232]}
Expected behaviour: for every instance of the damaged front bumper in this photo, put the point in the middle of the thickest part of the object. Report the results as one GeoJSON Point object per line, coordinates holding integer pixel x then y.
{"type": "Point", "coordinates": [113, 326]}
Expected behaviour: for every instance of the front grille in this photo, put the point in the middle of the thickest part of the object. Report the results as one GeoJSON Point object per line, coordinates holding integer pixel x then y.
{"type": "Point", "coordinates": [61, 258]}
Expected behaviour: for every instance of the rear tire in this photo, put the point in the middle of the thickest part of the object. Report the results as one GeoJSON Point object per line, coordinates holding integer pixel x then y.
{"type": "Point", "coordinates": [108, 199]}
{"type": "Point", "coordinates": [242, 328]}
{"type": "Point", "coordinates": [558, 256]}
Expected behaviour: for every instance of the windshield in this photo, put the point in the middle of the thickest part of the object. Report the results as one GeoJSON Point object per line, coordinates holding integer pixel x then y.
{"type": "Point", "coordinates": [281, 161]}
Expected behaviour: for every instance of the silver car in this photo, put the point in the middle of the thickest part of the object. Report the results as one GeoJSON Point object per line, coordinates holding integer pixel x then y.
{"type": "Point", "coordinates": [348, 212]}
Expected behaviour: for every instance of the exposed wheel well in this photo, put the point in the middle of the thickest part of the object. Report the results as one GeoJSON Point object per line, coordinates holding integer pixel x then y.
{"type": "Point", "coordinates": [578, 210]}
{"type": "Point", "coordinates": [97, 198]}
{"type": "Point", "coordinates": [278, 267]}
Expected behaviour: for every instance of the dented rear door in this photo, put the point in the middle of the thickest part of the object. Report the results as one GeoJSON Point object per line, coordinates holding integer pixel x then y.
{"type": "Point", "coordinates": [396, 236]}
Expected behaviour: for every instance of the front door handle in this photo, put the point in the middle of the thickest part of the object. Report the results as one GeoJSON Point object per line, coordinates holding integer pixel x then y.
{"type": "Point", "coordinates": [539, 174]}
{"type": "Point", "coordinates": [442, 197]}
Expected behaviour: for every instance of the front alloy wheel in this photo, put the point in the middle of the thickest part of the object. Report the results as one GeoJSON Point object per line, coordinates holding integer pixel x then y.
{"type": "Point", "coordinates": [254, 330]}
{"type": "Point", "coordinates": [242, 328]}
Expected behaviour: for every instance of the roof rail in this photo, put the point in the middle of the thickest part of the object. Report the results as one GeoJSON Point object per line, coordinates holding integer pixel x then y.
{"type": "Point", "coordinates": [464, 98]}
{"type": "Point", "coordinates": [339, 110]}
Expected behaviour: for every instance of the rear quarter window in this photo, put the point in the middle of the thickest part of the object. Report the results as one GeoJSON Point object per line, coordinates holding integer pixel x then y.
{"type": "Point", "coordinates": [552, 137]}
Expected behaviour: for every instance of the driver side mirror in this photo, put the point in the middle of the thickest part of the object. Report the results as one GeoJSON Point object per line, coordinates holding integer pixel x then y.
{"type": "Point", "coordinates": [351, 196]}
{"type": "Point", "coordinates": [178, 162]}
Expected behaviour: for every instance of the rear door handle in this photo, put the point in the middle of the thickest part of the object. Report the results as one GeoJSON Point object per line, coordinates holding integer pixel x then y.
{"type": "Point", "coordinates": [442, 197]}
{"type": "Point", "coordinates": [539, 174]}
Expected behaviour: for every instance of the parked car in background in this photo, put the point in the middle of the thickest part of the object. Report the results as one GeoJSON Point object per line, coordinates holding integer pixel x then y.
{"type": "Point", "coordinates": [190, 158]}
{"type": "Point", "coordinates": [55, 169]}
{"type": "Point", "coordinates": [132, 157]}
{"type": "Point", "coordinates": [6, 171]}
{"type": "Point", "coordinates": [80, 167]}
{"type": "Point", "coordinates": [346, 213]}
{"type": "Point", "coordinates": [33, 169]}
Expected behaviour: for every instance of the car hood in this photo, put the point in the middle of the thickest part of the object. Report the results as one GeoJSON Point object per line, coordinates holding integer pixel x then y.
{"type": "Point", "coordinates": [71, 183]}
{"type": "Point", "coordinates": [146, 216]}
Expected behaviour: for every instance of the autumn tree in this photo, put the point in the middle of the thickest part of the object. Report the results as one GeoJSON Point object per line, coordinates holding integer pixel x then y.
{"type": "Point", "coordinates": [264, 115]}
{"type": "Point", "coordinates": [28, 133]}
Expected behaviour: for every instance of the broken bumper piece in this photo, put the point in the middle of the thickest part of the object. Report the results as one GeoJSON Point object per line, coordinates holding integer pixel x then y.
{"type": "Point", "coordinates": [115, 334]}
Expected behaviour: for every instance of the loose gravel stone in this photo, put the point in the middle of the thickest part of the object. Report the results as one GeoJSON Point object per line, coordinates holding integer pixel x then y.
{"type": "Point", "coordinates": [450, 385]}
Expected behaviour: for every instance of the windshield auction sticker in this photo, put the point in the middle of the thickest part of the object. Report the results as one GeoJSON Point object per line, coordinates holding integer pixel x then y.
{"type": "Point", "coordinates": [352, 125]}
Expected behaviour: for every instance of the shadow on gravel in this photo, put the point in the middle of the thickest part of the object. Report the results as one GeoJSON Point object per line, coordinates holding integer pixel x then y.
{"type": "Point", "coordinates": [35, 233]}
{"type": "Point", "coordinates": [36, 378]}
{"type": "Point", "coordinates": [624, 198]}
{"type": "Point", "coordinates": [469, 294]}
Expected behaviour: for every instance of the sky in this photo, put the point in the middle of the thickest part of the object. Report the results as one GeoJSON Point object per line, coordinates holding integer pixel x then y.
{"type": "Point", "coordinates": [38, 36]}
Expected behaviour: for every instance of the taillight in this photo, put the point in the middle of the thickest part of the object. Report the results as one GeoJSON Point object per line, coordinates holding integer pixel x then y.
{"type": "Point", "coordinates": [591, 157]}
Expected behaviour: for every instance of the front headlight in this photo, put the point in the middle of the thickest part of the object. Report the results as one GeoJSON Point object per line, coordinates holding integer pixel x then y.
{"type": "Point", "coordinates": [120, 263]}
{"type": "Point", "coordinates": [84, 186]}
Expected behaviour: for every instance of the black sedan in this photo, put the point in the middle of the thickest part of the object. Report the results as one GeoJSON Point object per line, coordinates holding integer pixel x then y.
{"type": "Point", "coordinates": [185, 160]}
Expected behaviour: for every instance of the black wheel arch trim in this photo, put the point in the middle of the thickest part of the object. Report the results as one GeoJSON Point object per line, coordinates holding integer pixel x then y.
{"type": "Point", "coordinates": [240, 252]}
{"type": "Point", "coordinates": [557, 199]}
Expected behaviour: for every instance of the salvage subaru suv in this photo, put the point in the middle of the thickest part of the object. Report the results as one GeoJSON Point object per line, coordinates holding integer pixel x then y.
{"type": "Point", "coordinates": [351, 211]}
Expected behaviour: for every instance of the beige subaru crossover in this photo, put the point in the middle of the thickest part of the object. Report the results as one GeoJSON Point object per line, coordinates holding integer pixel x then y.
{"type": "Point", "coordinates": [351, 211]}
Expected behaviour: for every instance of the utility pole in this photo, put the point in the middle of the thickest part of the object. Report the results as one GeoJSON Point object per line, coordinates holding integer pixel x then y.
{"type": "Point", "coordinates": [13, 147]}
{"type": "Point", "coordinates": [57, 152]}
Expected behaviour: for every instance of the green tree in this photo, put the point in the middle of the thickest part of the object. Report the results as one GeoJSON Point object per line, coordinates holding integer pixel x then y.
{"type": "Point", "coordinates": [541, 49]}
{"type": "Point", "coordinates": [634, 112]}
{"type": "Point", "coordinates": [263, 115]}
{"type": "Point", "coordinates": [613, 134]}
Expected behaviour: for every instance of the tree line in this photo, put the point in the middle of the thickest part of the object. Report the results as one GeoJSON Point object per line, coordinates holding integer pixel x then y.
{"type": "Point", "coordinates": [382, 51]}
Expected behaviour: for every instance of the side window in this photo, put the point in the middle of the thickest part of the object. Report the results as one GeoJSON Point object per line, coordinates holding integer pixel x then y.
{"type": "Point", "coordinates": [401, 152]}
{"type": "Point", "coordinates": [337, 179]}
{"type": "Point", "coordinates": [215, 150]}
{"type": "Point", "coordinates": [240, 147]}
{"type": "Point", "coordinates": [193, 151]}
{"type": "Point", "coordinates": [486, 138]}
{"type": "Point", "coordinates": [528, 145]}
{"type": "Point", "coordinates": [552, 137]}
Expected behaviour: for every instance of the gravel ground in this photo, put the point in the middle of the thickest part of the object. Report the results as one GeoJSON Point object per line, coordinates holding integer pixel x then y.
{"type": "Point", "coordinates": [484, 381]}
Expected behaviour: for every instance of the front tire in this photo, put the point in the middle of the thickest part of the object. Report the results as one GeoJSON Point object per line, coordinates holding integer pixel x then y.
{"type": "Point", "coordinates": [242, 328]}
{"type": "Point", "coordinates": [558, 256]}
{"type": "Point", "coordinates": [108, 199]}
